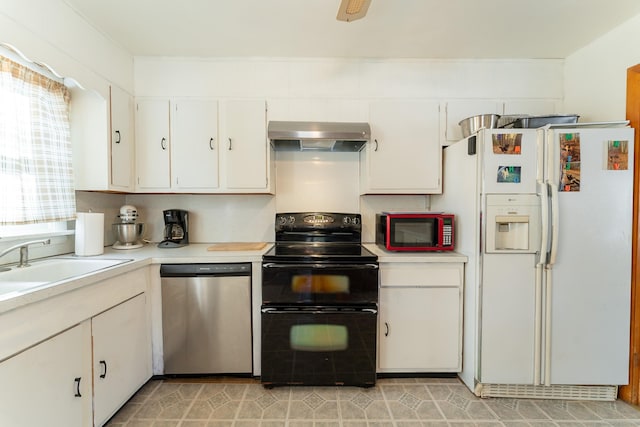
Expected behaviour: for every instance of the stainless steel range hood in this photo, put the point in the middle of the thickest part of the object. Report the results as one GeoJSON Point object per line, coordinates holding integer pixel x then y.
{"type": "Point", "coordinates": [318, 136]}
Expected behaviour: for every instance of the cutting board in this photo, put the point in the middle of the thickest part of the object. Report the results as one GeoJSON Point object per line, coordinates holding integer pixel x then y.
{"type": "Point", "coordinates": [237, 246]}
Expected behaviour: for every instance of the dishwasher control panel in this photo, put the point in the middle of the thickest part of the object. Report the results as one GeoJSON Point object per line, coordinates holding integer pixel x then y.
{"type": "Point", "coordinates": [188, 270]}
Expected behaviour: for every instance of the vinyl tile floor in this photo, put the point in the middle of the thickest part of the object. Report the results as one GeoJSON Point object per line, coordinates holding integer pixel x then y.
{"type": "Point", "coordinates": [397, 402]}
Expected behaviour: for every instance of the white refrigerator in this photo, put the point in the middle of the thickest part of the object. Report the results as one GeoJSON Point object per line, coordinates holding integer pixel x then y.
{"type": "Point", "coordinates": [544, 217]}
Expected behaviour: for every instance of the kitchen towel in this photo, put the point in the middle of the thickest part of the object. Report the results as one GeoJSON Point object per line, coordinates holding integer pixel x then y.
{"type": "Point", "coordinates": [89, 233]}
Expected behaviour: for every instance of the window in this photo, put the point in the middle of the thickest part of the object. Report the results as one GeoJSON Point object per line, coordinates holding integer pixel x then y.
{"type": "Point", "coordinates": [36, 175]}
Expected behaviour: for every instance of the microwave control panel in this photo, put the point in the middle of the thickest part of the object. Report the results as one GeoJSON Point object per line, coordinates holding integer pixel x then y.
{"type": "Point", "coordinates": [447, 232]}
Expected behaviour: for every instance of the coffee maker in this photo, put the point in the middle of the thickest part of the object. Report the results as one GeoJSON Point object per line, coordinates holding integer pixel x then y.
{"type": "Point", "coordinates": [176, 228]}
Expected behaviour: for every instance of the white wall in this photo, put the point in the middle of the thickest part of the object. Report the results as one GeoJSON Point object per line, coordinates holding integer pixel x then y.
{"type": "Point", "coordinates": [50, 31]}
{"type": "Point", "coordinates": [212, 218]}
{"type": "Point", "coordinates": [344, 78]}
{"type": "Point", "coordinates": [596, 75]}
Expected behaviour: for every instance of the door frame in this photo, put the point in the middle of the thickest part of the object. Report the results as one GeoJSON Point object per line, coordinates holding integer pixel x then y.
{"type": "Point", "coordinates": [631, 393]}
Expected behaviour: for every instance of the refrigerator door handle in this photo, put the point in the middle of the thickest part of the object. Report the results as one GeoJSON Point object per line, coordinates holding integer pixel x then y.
{"type": "Point", "coordinates": [547, 327]}
{"type": "Point", "coordinates": [554, 224]}
{"type": "Point", "coordinates": [537, 363]}
{"type": "Point", "coordinates": [544, 222]}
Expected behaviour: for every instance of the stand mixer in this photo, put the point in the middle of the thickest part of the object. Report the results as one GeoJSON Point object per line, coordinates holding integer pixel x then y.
{"type": "Point", "coordinates": [128, 232]}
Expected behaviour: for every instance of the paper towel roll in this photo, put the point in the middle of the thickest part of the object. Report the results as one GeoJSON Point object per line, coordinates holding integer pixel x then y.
{"type": "Point", "coordinates": [89, 233]}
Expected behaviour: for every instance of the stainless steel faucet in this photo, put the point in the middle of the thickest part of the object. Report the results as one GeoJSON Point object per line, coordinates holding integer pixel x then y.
{"type": "Point", "coordinates": [24, 250]}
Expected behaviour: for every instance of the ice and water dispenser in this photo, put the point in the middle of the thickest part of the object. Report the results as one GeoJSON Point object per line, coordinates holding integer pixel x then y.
{"type": "Point", "coordinates": [513, 223]}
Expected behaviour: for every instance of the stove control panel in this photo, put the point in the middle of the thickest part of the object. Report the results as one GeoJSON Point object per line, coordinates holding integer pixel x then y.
{"type": "Point", "coordinates": [284, 220]}
{"type": "Point", "coordinates": [318, 221]}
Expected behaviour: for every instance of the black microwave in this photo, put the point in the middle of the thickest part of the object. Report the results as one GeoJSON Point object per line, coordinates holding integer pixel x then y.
{"type": "Point", "coordinates": [415, 231]}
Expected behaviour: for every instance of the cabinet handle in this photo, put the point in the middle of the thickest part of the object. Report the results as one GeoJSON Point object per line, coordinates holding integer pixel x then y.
{"type": "Point", "coordinates": [386, 327]}
{"type": "Point", "coordinates": [104, 372]}
{"type": "Point", "coordinates": [163, 143]}
{"type": "Point", "coordinates": [229, 144]}
{"type": "Point", "coordinates": [376, 141]}
{"type": "Point", "coordinates": [211, 147]}
{"type": "Point", "coordinates": [118, 137]}
{"type": "Point", "coordinates": [77, 381]}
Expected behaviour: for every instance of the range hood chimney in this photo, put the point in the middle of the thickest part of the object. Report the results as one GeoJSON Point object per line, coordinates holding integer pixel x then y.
{"type": "Point", "coordinates": [318, 136]}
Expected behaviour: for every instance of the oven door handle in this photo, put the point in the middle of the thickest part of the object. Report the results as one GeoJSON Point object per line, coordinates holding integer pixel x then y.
{"type": "Point", "coordinates": [334, 266]}
{"type": "Point", "coordinates": [273, 310]}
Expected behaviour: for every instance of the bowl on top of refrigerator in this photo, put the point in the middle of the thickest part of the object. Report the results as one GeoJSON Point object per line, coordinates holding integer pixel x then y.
{"type": "Point", "coordinates": [473, 124]}
{"type": "Point", "coordinates": [539, 121]}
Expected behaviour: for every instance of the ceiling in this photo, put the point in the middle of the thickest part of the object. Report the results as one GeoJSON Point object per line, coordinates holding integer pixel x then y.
{"type": "Point", "coordinates": [391, 28]}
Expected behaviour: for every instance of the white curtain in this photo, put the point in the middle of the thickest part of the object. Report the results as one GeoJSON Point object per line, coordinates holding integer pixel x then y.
{"type": "Point", "coordinates": [36, 175]}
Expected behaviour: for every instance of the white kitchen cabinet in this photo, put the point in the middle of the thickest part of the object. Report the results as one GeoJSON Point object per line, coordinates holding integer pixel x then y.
{"type": "Point", "coordinates": [153, 161]}
{"type": "Point", "coordinates": [121, 355]}
{"type": "Point", "coordinates": [49, 384]}
{"type": "Point", "coordinates": [180, 148]}
{"type": "Point", "coordinates": [121, 139]}
{"type": "Point", "coordinates": [102, 140]}
{"type": "Point", "coordinates": [47, 352]}
{"type": "Point", "coordinates": [194, 145]}
{"type": "Point", "coordinates": [245, 152]}
{"type": "Point", "coordinates": [404, 154]}
{"type": "Point", "coordinates": [420, 317]}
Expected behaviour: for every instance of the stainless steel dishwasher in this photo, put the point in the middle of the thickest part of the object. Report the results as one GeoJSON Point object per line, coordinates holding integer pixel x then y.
{"type": "Point", "coordinates": [206, 318]}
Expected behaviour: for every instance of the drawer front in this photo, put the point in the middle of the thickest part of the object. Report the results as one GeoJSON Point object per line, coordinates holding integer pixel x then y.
{"type": "Point", "coordinates": [427, 274]}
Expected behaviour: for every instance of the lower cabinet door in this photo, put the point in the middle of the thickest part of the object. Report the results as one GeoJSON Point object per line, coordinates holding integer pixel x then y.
{"type": "Point", "coordinates": [419, 329]}
{"type": "Point", "coordinates": [49, 384]}
{"type": "Point", "coordinates": [121, 355]}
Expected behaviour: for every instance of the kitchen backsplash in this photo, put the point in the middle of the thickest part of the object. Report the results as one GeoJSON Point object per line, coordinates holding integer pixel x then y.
{"type": "Point", "coordinates": [241, 218]}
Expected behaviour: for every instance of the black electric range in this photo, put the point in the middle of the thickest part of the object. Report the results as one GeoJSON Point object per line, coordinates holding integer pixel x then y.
{"type": "Point", "coordinates": [319, 302]}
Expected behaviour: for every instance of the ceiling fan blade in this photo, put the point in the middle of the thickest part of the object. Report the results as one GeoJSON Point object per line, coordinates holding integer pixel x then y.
{"type": "Point", "coordinates": [350, 10]}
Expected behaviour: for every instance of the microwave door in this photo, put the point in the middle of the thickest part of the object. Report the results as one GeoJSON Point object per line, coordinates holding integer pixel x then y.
{"type": "Point", "coordinates": [414, 233]}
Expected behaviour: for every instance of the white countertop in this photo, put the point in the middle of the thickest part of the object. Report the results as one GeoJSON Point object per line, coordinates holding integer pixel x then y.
{"type": "Point", "coordinates": [192, 253]}
{"type": "Point", "coordinates": [391, 256]}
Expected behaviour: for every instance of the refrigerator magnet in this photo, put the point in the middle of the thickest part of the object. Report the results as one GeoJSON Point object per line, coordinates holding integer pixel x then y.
{"type": "Point", "coordinates": [570, 162]}
{"type": "Point", "coordinates": [507, 143]}
{"type": "Point", "coordinates": [617, 155]}
{"type": "Point", "coordinates": [509, 174]}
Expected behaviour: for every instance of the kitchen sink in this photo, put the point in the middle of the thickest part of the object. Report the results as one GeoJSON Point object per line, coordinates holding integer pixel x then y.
{"type": "Point", "coordinates": [50, 271]}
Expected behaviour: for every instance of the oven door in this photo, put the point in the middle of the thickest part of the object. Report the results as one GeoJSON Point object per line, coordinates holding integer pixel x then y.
{"type": "Point", "coordinates": [319, 284]}
{"type": "Point", "coordinates": [319, 346]}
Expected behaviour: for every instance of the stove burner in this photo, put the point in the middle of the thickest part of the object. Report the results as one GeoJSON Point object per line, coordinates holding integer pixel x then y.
{"type": "Point", "coordinates": [318, 237]}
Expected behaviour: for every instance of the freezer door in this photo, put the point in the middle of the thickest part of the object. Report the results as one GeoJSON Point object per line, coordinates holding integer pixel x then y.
{"type": "Point", "coordinates": [509, 160]}
{"type": "Point", "coordinates": [588, 284]}
{"type": "Point", "coordinates": [508, 316]}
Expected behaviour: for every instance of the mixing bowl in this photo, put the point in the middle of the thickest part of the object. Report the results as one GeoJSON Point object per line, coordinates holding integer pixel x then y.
{"type": "Point", "coordinates": [473, 124]}
{"type": "Point", "coordinates": [128, 233]}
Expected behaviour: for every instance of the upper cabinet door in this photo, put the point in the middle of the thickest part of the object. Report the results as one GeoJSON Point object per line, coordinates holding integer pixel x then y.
{"type": "Point", "coordinates": [244, 145]}
{"type": "Point", "coordinates": [404, 154]}
{"type": "Point", "coordinates": [153, 144]}
{"type": "Point", "coordinates": [122, 145]}
{"type": "Point", "coordinates": [194, 144]}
